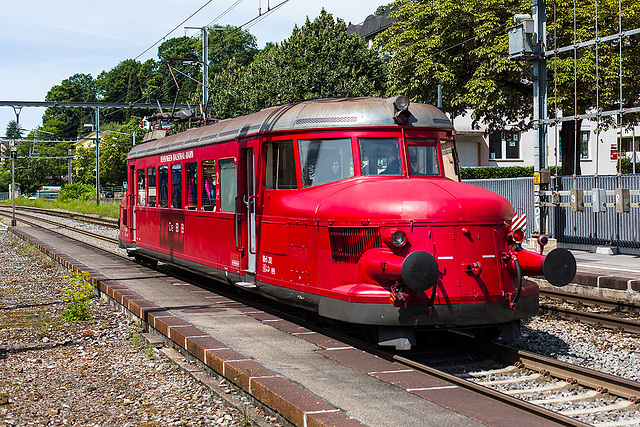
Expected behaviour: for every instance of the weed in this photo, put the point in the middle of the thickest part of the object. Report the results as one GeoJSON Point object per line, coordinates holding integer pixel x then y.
{"type": "Point", "coordinates": [149, 352]}
{"type": "Point", "coordinates": [135, 339]}
{"type": "Point", "coordinates": [77, 293]}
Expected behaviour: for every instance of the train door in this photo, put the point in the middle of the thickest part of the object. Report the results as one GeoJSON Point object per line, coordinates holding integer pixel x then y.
{"type": "Point", "coordinates": [131, 212]}
{"type": "Point", "coordinates": [250, 204]}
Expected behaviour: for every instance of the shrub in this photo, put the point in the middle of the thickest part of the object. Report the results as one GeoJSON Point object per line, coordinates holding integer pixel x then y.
{"type": "Point", "coordinates": [76, 191]}
{"type": "Point", "coordinates": [77, 293]}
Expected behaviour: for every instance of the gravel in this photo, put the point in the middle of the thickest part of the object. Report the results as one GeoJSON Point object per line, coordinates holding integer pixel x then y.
{"type": "Point", "coordinates": [91, 373]}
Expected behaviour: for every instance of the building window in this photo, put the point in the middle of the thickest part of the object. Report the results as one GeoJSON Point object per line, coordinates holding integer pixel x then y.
{"type": "Point", "coordinates": [584, 144]}
{"type": "Point", "coordinates": [504, 145]}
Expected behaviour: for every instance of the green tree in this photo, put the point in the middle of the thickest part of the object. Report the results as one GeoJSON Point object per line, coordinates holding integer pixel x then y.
{"type": "Point", "coordinates": [14, 130]}
{"type": "Point", "coordinates": [318, 60]}
{"type": "Point", "coordinates": [464, 45]}
{"type": "Point", "coordinates": [69, 121]}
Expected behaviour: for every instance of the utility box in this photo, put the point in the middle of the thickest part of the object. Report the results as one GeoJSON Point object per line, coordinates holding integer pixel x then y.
{"type": "Point", "coordinates": [622, 200]}
{"type": "Point", "coordinates": [577, 203]}
{"type": "Point", "coordinates": [599, 198]}
{"type": "Point", "coordinates": [542, 177]}
{"type": "Point", "coordinates": [520, 39]}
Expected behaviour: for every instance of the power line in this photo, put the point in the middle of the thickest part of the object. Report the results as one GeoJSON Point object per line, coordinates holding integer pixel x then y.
{"type": "Point", "coordinates": [175, 28]}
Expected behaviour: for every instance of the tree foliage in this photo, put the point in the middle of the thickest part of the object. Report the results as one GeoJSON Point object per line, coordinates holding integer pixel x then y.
{"type": "Point", "coordinates": [14, 130]}
{"type": "Point", "coordinates": [318, 60]}
{"type": "Point", "coordinates": [464, 45]}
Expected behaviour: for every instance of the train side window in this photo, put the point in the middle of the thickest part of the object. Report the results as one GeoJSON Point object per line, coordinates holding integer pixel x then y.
{"type": "Point", "coordinates": [142, 193]}
{"type": "Point", "coordinates": [209, 185]}
{"type": "Point", "coordinates": [423, 159]}
{"type": "Point", "coordinates": [325, 160]}
{"type": "Point", "coordinates": [151, 178]}
{"type": "Point", "coordinates": [176, 186]}
{"type": "Point", "coordinates": [281, 166]}
{"type": "Point", "coordinates": [191, 184]}
{"type": "Point", "coordinates": [380, 156]}
{"type": "Point", "coordinates": [450, 159]}
{"type": "Point", "coordinates": [163, 184]}
{"type": "Point", "coordinates": [228, 185]}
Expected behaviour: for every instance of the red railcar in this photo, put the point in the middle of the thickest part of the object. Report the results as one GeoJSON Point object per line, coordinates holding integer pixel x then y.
{"type": "Point", "coordinates": [349, 207]}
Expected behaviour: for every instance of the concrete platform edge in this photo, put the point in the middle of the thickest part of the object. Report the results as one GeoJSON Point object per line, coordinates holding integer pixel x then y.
{"type": "Point", "coordinates": [284, 397]}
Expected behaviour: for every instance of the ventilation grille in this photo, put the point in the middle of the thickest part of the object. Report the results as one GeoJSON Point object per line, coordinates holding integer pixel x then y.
{"type": "Point", "coordinates": [349, 243]}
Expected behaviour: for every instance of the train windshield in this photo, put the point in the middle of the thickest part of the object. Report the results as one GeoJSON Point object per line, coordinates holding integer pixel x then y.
{"type": "Point", "coordinates": [423, 157]}
{"type": "Point", "coordinates": [380, 156]}
{"type": "Point", "coordinates": [325, 160]}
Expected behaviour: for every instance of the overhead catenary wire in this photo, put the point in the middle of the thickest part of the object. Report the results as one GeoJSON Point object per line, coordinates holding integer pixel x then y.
{"type": "Point", "coordinates": [175, 28]}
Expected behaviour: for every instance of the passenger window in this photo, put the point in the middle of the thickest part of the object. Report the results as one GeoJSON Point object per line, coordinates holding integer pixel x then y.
{"type": "Point", "coordinates": [380, 156]}
{"type": "Point", "coordinates": [281, 166]}
{"type": "Point", "coordinates": [450, 159]}
{"type": "Point", "coordinates": [325, 160]}
{"type": "Point", "coordinates": [191, 177]}
{"type": "Point", "coordinates": [209, 185]}
{"type": "Point", "coordinates": [151, 177]}
{"type": "Point", "coordinates": [228, 184]}
{"type": "Point", "coordinates": [176, 186]}
{"type": "Point", "coordinates": [423, 158]}
{"type": "Point", "coordinates": [163, 182]}
{"type": "Point", "coordinates": [142, 195]}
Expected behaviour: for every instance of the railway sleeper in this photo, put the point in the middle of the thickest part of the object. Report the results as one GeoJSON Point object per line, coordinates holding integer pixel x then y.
{"type": "Point", "coordinates": [589, 395]}
{"type": "Point", "coordinates": [514, 380]}
{"type": "Point", "coordinates": [629, 422]}
{"type": "Point", "coordinates": [559, 385]}
{"type": "Point", "coordinates": [501, 371]}
{"type": "Point", "coordinates": [622, 405]}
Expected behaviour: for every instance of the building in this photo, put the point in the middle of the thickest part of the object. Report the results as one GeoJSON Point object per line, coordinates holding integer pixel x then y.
{"type": "Point", "coordinates": [512, 147]}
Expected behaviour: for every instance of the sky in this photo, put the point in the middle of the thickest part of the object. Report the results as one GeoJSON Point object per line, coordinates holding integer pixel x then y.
{"type": "Point", "coordinates": [43, 42]}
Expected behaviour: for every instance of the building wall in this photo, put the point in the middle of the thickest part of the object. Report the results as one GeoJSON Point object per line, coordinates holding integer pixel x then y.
{"type": "Point", "coordinates": [597, 157]}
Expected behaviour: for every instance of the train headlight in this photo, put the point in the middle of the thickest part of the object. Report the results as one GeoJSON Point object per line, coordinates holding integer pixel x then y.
{"type": "Point", "coordinates": [401, 110]}
{"type": "Point", "coordinates": [517, 235]}
{"type": "Point", "coordinates": [401, 103]}
{"type": "Point", "coordinates": [395, 238]}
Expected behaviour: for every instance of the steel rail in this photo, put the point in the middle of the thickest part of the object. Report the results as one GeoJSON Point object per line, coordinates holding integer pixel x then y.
{"type": "Point", "coordinates": [57, 224]}
{"type": "Point", "coordinates": [103, 221]}
{"type": "Point", "coordinates": [597, 319]}
{"type": "Point", "coordinates": [586, 377]}
{"type": "Point", "coordinates": [590, 300]}
{"type": "Point", "coordinates": [489, 392]}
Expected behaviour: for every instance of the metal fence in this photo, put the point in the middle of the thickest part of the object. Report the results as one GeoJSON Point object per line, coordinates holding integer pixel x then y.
{"type": "Point", "coordinates": [573, 228]}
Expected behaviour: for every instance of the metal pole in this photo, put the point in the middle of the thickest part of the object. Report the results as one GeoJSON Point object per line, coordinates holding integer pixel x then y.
{"type": "Point", "coordinates": [97, 156]}
{"type": "Point", "coordinates": [70, 181]}
{"type": "Point", "coordinates": [539, 109]}
{"type": "Point", "coordinates": [13, 186]}
{"type": "Point", "coordinates": [205, 69]}
{"type": "Point", "coordinates": [440, 95]}
{"type": "Point", "coordinates": [633, 147]}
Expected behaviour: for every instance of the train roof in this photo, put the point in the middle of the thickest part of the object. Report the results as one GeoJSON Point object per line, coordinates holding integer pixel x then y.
{"type": "Point", "coordinates": [314, 114]}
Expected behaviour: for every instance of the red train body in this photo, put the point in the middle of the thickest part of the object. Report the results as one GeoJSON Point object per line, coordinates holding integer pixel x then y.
{"type": "Point", "coordinates": [349, 207]}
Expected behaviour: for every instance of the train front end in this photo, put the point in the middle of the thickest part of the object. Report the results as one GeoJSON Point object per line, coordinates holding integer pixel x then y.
{"type": "Point", "coordinates": [410, 247]}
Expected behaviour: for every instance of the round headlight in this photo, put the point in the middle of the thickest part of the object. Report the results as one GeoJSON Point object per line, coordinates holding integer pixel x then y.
{"type": "Point", "coordinates": [401, 103]}
{"type": "Point", "coordinates": [398, 239]}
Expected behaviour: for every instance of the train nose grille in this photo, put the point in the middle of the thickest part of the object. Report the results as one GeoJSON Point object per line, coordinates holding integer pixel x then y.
{"type": "Point", "coordinates": [349, 243]}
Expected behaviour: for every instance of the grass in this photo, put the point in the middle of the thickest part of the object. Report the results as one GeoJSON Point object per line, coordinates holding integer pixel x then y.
{"type": "Point", "coordinates": [110, 210]}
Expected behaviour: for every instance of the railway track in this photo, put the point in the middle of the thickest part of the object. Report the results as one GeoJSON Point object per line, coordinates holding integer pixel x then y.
{"type": "Point", "coordinates": [618, 315]}
{"type": "Point", "coordinates": [91, 219]}
{"type": "Point", "coordinates": [523, 381]}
